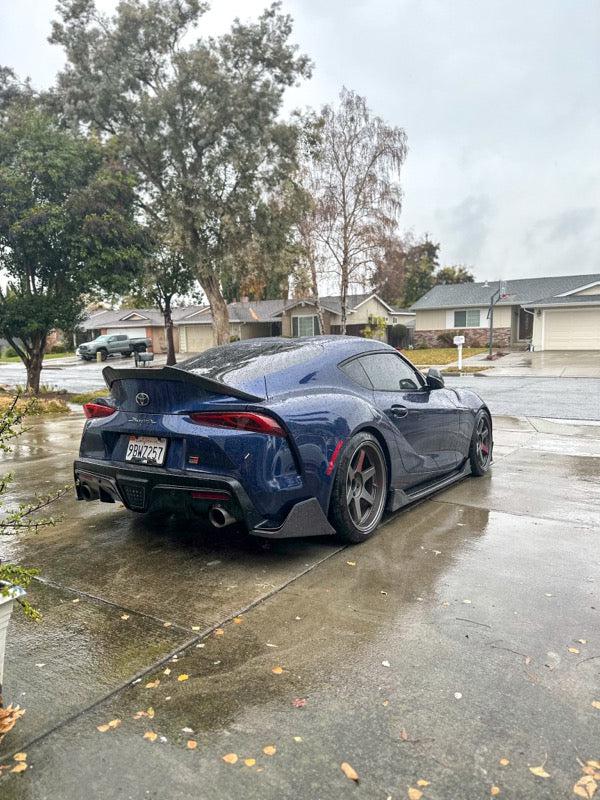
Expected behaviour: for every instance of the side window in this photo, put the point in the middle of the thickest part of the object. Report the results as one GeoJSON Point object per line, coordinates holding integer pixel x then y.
{"type": "Point", "coordinates": [354, 370]}
{"type": "Point", "coordinates": [390, 373]}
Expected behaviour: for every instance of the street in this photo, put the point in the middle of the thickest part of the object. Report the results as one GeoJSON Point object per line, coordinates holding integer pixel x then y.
{"type": "Point", "coordinates": [557, 397]}
{"type": "Point", "coordinates": [458, 647]}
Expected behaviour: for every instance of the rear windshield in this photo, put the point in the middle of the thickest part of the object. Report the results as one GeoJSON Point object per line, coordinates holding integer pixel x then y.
{"type": "Point", "coordinates": [244, 365]}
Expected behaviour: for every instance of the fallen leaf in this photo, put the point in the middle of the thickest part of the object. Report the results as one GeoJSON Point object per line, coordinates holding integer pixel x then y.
{"type": "Point", "coordinates": [585, 787]}
{"type": "Point", "coordinates": [102, 728]}
{"type": "Point", "coordinates": [151, 736]}
{"type": "Point", "coordinates": [114, 723]}
{"type": "Point", "coordinates": [238, 620]}
{"type": "Point", "coordinates": [422, 782]}
{"type": "Point", "coordinates": [183, 677]}
{"type": "Point", "coordinates": [298, 739]}
{"type": "Point", "coordinates": [76, 600]}
{"type": "Point", "coordinates": [596, 703]}
{"type": "Point", "coordinates": [219, 632]}
{"type": "Point", "coordinates": [249, 762]}
{"type": "Point", "coordinates": [167, 671]}
{"type": "Point", "coordinates": [195, 627]}
{"type": "Point", "coordinates": [414, 794]}
{"type": "Point", "coordinates": [19, 767]}
{"type": "Point", "coordinates": [277, 670]}
{"type": "Point", "coordinates": [351, 563]}
{"type": "Point", "coordinates": [504, 762]}
{"type": "Point", "coordinates": [349, 771]}
{"type": "Point", "coordinates": [593, 764]}
{"type": "Point", "coordinates": [269, 750]}
{"type": "Point", "coordinates": [192, 744]}
{"type": "Point", "coordinates": [404, 735]}
{"type": "Point", "coordinates": [298, 702]}
{"type": "Point", "coordinates": [150, 712]}
{"type": "Point", "coordinates": [495, 791]}
{"type": "Point", "coordinates": [573, 650]}
{"type": "Point", "coordinates": [539, 771]}
{"type": "Point", "coordinates": [167, 624]}
{"type": "Point", "coordinates": [582, 641]}
{"type": "Point", "coordinates": [230, 758]}
{"type": "Point", "coordinates": [124, 616]}
{"type": "Point", "coordinates": [9, 717]}
{"type": "Point", "coordinates": [153, 684]}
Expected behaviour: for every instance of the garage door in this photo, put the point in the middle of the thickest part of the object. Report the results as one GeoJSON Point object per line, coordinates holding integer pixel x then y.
{"type": "Point", "coordinates": [134, 333]}
{"type": "Point", "coordinates": [572, 329]}
{"type": "Point", "coordinates": [196, 338]}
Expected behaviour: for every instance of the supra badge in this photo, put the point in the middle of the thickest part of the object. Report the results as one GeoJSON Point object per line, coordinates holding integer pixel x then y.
{"type": "Point", "coordinates": [142, 399]}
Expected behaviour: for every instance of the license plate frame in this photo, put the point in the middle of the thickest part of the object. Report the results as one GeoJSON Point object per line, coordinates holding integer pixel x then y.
{"type": "Point", "coordinates": [154, 454]}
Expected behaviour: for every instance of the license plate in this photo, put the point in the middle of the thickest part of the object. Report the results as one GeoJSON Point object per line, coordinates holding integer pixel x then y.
{"type": "Point", "coordinates": [146, 449]}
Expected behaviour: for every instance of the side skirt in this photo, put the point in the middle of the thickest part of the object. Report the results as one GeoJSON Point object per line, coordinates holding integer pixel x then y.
{"type": "Point", "coordinates": [397, 498]}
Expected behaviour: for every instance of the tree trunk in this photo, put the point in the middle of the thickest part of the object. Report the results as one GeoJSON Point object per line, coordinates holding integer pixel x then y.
{"type": "Point", "coordinates": [171, 359]}
{"type": "Point", "coordinates": [34, 365]}
{"type": "Point", "coordinates": [343, 298]}
{"type": "Point", "coordinates": [218, 308]}
{"type": "Point", "coordinates": [315, 291]}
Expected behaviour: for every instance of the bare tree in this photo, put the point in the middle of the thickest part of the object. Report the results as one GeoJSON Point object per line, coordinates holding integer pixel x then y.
{"type": "Point", "coordinates": [355, 184]}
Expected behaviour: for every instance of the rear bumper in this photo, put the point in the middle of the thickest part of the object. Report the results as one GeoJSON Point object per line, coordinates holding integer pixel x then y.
{"type": "Point", "coordinates": [142, 488]}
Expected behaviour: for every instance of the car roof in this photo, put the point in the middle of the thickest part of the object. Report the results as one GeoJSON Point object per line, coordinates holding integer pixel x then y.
{"type": "Point", "coordinates": [275, 364]}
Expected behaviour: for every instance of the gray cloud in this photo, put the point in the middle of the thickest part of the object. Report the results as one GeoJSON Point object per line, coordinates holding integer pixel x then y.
{"type": "Point", "coordinates": [499, 101]}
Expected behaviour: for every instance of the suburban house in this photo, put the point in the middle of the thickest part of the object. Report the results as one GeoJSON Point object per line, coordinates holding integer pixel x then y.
{"type": "Point", "coordinates": [555, 313]}
{"type": "Point", "coordinates": [248, 319]}
{"type": "Point", "coordinates": [253, 318]}
{"type": "Point", "coordinates": [147, 322]}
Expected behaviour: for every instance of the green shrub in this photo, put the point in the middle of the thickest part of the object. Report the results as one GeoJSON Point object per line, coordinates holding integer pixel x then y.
{"type": "Point", "coordinates": [10, 352]}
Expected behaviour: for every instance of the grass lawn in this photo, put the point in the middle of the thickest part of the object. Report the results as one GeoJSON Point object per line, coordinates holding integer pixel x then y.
{"type": "Point", "coordinates": [15, 359]}
{"type": "Point", "coordinates": [40, 405]}
{"type": "Point", "coordinates": [440, 355]}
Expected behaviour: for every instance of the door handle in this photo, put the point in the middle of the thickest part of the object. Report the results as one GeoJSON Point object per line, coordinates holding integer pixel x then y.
{"type": "Point", "coordinates": [399, 411]}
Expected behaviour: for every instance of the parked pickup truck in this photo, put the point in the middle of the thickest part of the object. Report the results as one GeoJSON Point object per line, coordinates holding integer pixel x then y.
{"type": "Point", "coordinates": [112, 344]}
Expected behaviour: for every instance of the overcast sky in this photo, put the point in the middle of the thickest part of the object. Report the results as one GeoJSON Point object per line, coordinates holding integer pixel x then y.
{"type": "Point", "coordinates": [500, 101]}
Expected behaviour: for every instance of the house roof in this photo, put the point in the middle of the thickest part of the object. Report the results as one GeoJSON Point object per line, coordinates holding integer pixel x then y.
{"type": "Point", "coordinates": [333, 303]}
{"type": "Point", "coordinates": [251, 311]}
{"type": "Point", "coordinates": [131, 318]}
{"type": "Point", "coordinates": [524, 291]}
{"type": "Point", "coordinates": [568, 300]}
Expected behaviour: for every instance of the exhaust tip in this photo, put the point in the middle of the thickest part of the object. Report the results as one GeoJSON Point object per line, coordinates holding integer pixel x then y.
{"type": "Point", "coordinates": [86, 492]}
{"type": "Point", "coordinates": [219, 517]}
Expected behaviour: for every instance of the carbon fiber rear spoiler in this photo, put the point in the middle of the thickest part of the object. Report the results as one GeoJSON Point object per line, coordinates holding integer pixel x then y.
{"type": "Point", "coordinates": [110, 375]}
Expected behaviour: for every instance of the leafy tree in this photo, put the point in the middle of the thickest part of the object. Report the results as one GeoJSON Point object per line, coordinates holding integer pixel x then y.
{"type": "Point", "coordinates": [457, 274]}
{"type": "Point", "coordinates": [67, 228]}
{"type": "Point", "coordinates": [197, 119]}
{"type": "Point", "coordinates": [168, 277]}
{"type": "Point", "coordinates": [356, 189]}
{"type": "Point", "coordinates": [421, 265]}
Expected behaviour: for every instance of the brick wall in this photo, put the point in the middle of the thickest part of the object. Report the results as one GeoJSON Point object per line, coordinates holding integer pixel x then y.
{"type": "Point", "coordinates": [474, 337]}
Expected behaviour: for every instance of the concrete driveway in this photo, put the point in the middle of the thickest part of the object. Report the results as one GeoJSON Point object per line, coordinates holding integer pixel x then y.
{"type": "Point", "coordinates": [454, 652]}
{"type": "Point", "coordinates": [549, 364]}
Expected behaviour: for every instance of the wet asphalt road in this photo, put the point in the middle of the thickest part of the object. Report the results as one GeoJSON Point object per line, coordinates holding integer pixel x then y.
{"type": "Point", "coordinates": [561, 398]}
{"type": "Point", "coordinates": [467, 631]}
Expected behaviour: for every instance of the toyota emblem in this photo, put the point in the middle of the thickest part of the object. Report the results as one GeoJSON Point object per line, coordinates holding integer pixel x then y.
{"type": "Point", "coordinates": [142, 399]}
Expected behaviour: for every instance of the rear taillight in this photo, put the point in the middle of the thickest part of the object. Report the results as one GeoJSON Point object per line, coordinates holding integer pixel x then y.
{"type": "Point", "coordinates": [240, 420]}
{"type": "Point", "coordinates": [96, 410]}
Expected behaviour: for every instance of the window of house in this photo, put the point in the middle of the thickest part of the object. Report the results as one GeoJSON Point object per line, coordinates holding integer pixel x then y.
{"type": "Point", "coordinates": [305, 326]}
{"type": "Point", "coordinates": [390, 373]}
{"type": "Point", "coordinates": [469, 318]}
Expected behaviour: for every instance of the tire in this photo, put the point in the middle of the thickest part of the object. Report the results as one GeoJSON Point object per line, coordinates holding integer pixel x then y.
{"type": "Point", "coordinates": [103, 355]}
{"type": "Point", "coordinates": [358, 502]}
{"type": "Point", "coordinates": [480, 449]}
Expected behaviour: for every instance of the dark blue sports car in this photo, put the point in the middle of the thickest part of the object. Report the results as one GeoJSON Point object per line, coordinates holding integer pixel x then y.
{"type": "Point", "coordinates": [289, 437]}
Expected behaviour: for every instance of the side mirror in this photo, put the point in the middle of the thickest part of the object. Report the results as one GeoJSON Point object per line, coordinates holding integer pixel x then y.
{"type": "Point", "coordinates": [434, 379]}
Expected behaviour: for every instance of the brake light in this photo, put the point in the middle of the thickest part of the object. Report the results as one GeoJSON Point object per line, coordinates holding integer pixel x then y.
{"type": "Point", "coordinates": [96, 410]}
{"type": "Point", "coordinates": [240, 420]}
